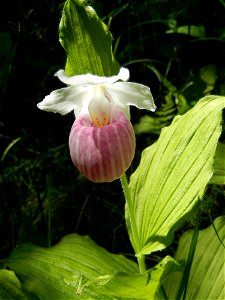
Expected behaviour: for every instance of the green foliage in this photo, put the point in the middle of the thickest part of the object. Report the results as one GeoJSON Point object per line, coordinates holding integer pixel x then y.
{"type": "Point", "coordinates": [219, 172]}
{"type": "Point", "coordinates": [206, 279]}
{"type": "Point", "coordinates": [177, 100]}
{"type": "Point", "coordinates": [179, 52]}
{"type": "Point", "coordinates": [173, 174]}
{"type": "Point", "coordinates": [88, 51]}
{"type": "Point", "coordinates": [192, 30]}
{"type": "Point", "coordinates": [10, 286]}
{"type": "Point", "coordinates": [77, 267]}
{"type": "Point", "coordinates": [9, 147]}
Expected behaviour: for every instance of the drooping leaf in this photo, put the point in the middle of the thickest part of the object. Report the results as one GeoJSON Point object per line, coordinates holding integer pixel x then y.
{"type": "Point", "coordinates": [206, 279]}
{"type": "Point", "coordinates": [173, 174]}
{"type": "Point", "coordinates": [76, 267]}
{"type": "Point", "coordinates": [219, 169]}
{"type": "Point", "coordinates": [9, 147]}
{"type": "Point", "coordinates": [86, 40]}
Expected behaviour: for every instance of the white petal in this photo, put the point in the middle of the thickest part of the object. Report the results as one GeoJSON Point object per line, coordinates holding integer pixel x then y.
{"type": "Point", "coordinates": [67, 99]}
{"type": "Point", "coordinates": [90, 79]}
{"type": "Point", "coordinates": [129, 93]}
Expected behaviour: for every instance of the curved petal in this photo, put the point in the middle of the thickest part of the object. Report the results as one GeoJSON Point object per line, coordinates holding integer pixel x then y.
{"type": "Point", "coordinates": [129, 93]}
{"type": "Point", "coordinates": [90, 79]}
{"type": "Point", "coordinates": [67, 99]}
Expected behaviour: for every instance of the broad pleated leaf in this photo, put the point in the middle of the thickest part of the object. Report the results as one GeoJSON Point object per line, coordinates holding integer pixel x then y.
{"type": "Point", "coordinates": [219, 169]}
{"type": "Point", "coordinates": [206, 279]}
{"type": "Point", "coordinates": [173, 173]}
{"type": "Point", "coordinates": [10, 287]}
{"type": "Point", "coordinates": [77, 268]}
{"type": "Point", "coordinates": [87, 41]}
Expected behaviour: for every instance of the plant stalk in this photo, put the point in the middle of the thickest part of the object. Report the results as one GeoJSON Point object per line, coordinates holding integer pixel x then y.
{"type": "Point", "coordinates": [133, 224]}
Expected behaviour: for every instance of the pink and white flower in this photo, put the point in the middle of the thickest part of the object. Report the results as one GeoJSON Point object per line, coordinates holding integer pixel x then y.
{"type": "Point", "coordinates": [102, 139]}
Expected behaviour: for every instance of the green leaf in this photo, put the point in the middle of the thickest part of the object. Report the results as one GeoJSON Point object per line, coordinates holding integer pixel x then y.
{"type": "Point", "coordinates": [206, 279]}
{"type": "Point", "coordinates": [77, 267]}
{"type": "Point", "coordinates": [175, 102]}
{"type": "Point", "coordinates": [173, 174]}
{"type": "Point", "coordinates": [9, 147]}
{"type": "Point", "coordinates": [10, 287]}
{"type": "Point", "coordinates": [195, 31]}
{"type": "Point", "coordinates": [219, 170]}
{"type": "Point", "coordinates": [161, 118]}
{"type": "Point", "coordinates": [201, 84]}
{"type": "Point", "coordinates": [209, 75]}
{"type": "Point", "coordinates": [86, 40]}
{"type": "Point", "coordinates": [64, 270]}
{"type": "Point", "coordinates": [141, 286]}
{"type": "Point", "coordinates": [165, 112]}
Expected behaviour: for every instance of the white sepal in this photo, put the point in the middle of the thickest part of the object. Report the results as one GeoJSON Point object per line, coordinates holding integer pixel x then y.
{"type": "Point", "coordinates": [67, 99]}
{"type": "Point", "coordinates": [90, 79]}
{"type": "Point", "coordinates": [129, 93]}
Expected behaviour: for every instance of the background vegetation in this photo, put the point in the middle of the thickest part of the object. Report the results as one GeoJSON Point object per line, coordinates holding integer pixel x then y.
{"type": "Point", "coordinates": [175, 47]}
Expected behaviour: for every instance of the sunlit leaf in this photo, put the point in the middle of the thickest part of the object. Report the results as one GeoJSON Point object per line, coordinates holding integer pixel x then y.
{"type": "Point", "coordinates": [206, 279]}
{"type": "Point", "coordinates": [219, 169]}
{"type": "Point", "coordinates": [173, 174]}
{"type": "Point", "coordinates": [87, 41]}
{"type": "Point", "coordinates": [77, 267]}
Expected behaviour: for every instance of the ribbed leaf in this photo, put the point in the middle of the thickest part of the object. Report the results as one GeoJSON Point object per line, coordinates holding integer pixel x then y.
{"type": "Point", "coordinates": [77, 267]}
{"type": "Point", "coordinates": [10, 287]}
{"type": "Point", "coordinates": [173, 173]}
{"type": "Point", "coordinates": [87, 41]}
{"type": "Point", "coordinates": [219, 169]}
{"type": "Point", "coordinates": [206, 279]}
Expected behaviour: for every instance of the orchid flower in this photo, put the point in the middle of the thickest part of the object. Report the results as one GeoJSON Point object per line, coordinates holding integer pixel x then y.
{"type": "Point", "coordinates": [102, 139]}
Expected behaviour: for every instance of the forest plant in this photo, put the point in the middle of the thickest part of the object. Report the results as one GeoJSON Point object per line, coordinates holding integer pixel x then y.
{"type": "Point", "coordinates": [163, 192]}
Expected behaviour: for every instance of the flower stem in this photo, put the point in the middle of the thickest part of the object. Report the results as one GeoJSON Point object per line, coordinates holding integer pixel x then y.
{"type": "Point", "coordinates": [133, 224]}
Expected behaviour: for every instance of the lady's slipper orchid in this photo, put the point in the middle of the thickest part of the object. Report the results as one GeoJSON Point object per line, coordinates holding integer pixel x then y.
{"type": "Point", "coordinates": [102, 140]}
